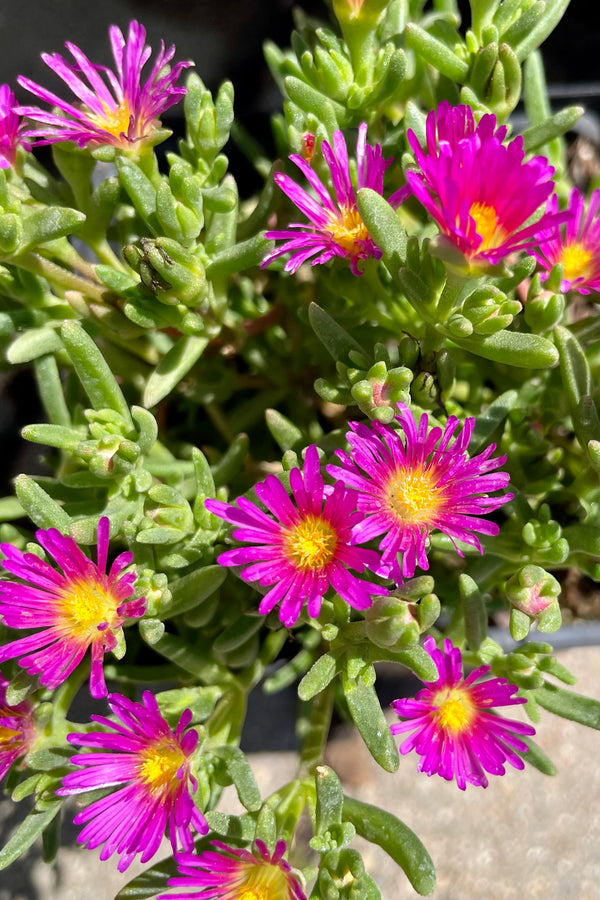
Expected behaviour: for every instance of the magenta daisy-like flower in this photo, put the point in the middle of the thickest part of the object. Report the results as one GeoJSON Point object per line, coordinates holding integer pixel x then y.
{"type": "Point", "coordinates": [335, 227]}
{"type": "Point", "coordinates": [11, 126]}
{"type": "Point", "coordinates": [480, 191]}
{"type": "Point", "coordinates": [234, 874]}
{"type": "Point", "coordinates": [77, 608]}
{"type": "Point", "coordinates": [17, 729]}
{"type": "Point", "coordinates": [576, 245]}
{"type": "Point", "coordinates": [454, 729]}
{"type": "Point", "coordinates": [411, 485]}
{"type": "Point", "coordinates": [117, 109]}
{"type": "Point", "coordinates": [150, 764]}
{"type": "Point", "coordinates": [303, 546]}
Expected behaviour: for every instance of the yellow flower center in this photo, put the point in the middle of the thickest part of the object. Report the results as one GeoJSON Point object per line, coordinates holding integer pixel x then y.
{"type": "Point", "coordinates": [455, 710]}
{"type": "Point", "coordinates": [160, 765]}
{"type": "Point", "coordinates": [7, 735]}
{"type": "Point", "coordinates": [114, 121]}
{"type": "Point", "coordinates": [486, 223]}
{"type": "Point", "coordinates": [263, 882]}
{"type": "Point", "coordinates": [576, 260]}
{"type": "Point", "coordinates": [413, 495]}
{"type": "Point", "coordinates": [86, 605]}
{"type": "Point", "coordinates": [311, 544]}
{"type": "Point", "coordinates": [348, 229]}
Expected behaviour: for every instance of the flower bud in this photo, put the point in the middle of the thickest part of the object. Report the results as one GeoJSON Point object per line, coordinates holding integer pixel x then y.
{"type": "Point", "coordinates": [532, 590]}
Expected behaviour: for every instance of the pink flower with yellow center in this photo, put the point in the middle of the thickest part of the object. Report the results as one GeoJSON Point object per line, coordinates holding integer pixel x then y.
{"type": "Point", "coordinates": [79, 608]}
{"type": "Point", "coordinates": [151, 766]}
{"type": "Point", "coordinates": [234, 874]}
{"type": "Point", "coordinates": [17, 729]}
{"type": "Point", "coordinates": [576, 245]}
{"type": "Point", "coordinates": [302, 549]}
{"type": "Point", "coordinates": [454, 728]}
{"type": "Point", "coordinates": [11, 127]}
{"type": "Point", "coordinates": [409, 486]}
{"type": "Point", "coordinates": [115, 109]}
{"type": "Point", "coordinates": [479, 190]}
{"type": "Point", "coordinates": [336, 227]}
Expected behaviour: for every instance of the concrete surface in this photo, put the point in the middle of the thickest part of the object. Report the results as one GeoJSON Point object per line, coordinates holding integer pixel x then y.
{"type": "Point", "coordinates": [526, 837]}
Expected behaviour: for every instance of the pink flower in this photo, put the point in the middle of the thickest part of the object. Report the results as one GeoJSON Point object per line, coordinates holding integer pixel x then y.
{"type": "Point", "coordinates": [10, 128]}
{"type": "Point", "coordinates": [77, 608]}
{"type": "Point", "coordinates": [454, 729]}
{"type": "Point", "coordinates": [234, 874]}
{"type": "Point", "coordinates": [409, 486]}
{"type": "Point", "coordinates": [336, 227]}
{"type": "Point", "coordinates": [17, 729]}
{"type": "Point", "coordinates": [575, 246]}
{"type": "Point", "coordinates": [303, 546]}
{"type": "Point", "coordinates": [153, 764]}
{"type": "Point", "coordinates": [112, 108]}
{"type": "Point", "coordinates": [480, 191]}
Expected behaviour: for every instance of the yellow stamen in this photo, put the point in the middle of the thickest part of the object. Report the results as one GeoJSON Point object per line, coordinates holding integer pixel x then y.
{"type": "Point", "coordinates": [264, 882]}
{"type": "Point", "coordinates": [160, 765]}
{"type": "Point", "coordinates": [7, 735]}
{"type": "Point", "coordinates": [348, 230]}
{"type": "Point", "coordinates": [455, 710]}
{"type": "Point", "coordinates": [576, 260]}
{"type": "Point", "coordinates": [486, 223]}
{"type": "Point", "coordinates": [311, 544]}
{"type": "Point", "coordinates": [414, 496]}
{"type": "Point", "coordinates": [114, 121]}
{"type": "Point", "coordinates": [86, 605]}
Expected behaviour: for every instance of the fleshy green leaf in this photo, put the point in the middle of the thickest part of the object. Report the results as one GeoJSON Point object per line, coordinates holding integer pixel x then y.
{"type": "Point", "coordinates": [384, 227]}
{"type": "Point", "coordinates": [27, 832]}
{"type": "Point", "coordinates": [368, 717]}
{"type": "Point", "coordinates": [173, 367]}
{"type": "Point", "coordinates": [94, 372]}
{"type": "Point", "coordinates": [529, 351]}
{"type": "Point", "coordinates": [384, 829]}
{"type": "Point", "coordinates": [568, 705]}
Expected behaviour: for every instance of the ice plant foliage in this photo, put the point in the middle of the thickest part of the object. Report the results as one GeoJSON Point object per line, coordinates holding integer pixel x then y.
{"type": "Point", "coordinates": [74, 609]}
{"type": "Point", "coordinates": [413, 484]}
{"type": "Point", "coordinates": [304, 546]}
{"type": "Point", "coordinates": [454, 728]}
{"type": "Point", "coordinates": [149, 764]}
{"type": "Point", "coordinates": [233, 874]}
{"type": "Point", "coordinates": [111, 108]}
{"type": "Point", "coordinates": [17, 729]}
{"type": "Point", "coordinates": [574, 245]}
{"type": "Point", "coordinates": [336, 227]}
{"type": "Point", "coordinates": [11, 126]}
{"type": "Point", "coordinates": [480, 190]}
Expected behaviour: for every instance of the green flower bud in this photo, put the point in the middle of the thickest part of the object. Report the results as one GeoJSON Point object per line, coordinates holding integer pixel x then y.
{"type": "Point", "coordinates": [532, 590]}
{"type": "Point", "coordinates": [392, 623]}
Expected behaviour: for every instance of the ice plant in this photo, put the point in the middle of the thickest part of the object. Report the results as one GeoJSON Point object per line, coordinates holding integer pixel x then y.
{"type": "Point", "coordinates": [335, 227]}
{"type": "Point", "coordinates": [574, 245]}
{"type": "Point", "coordinates": [480, 191]}
{"type": "Point", "coordinates": [150, 765]}
{"type": "Point", "coordinates": [17, 729]}
{"type": "Point", "coordinates": [304, 546]}
{"type": "Point", "coordinates": [454, 728]}
{"type": "Point", "coordinates": [11, 126]}
{"type": "Point", "coordinates": [80, 607]}
{"type": "Point", "coordinates": [117, 109]}
{"type": "Point", "coordinates": [411, 485]}
{"type": "Point", "coordinates": [234, 874]}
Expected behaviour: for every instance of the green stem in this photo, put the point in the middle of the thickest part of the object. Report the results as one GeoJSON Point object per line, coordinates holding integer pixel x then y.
{"type": "Point", "coordinates": [315, 739]}
{"type": "Point", "coordinates": [60, 277]}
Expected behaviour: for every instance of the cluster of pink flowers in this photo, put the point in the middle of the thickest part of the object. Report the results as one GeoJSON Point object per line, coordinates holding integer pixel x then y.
{"type": "Point", "coordinates": [479, 189]}
{"type": "Point", "coordinates": [400, 487]}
